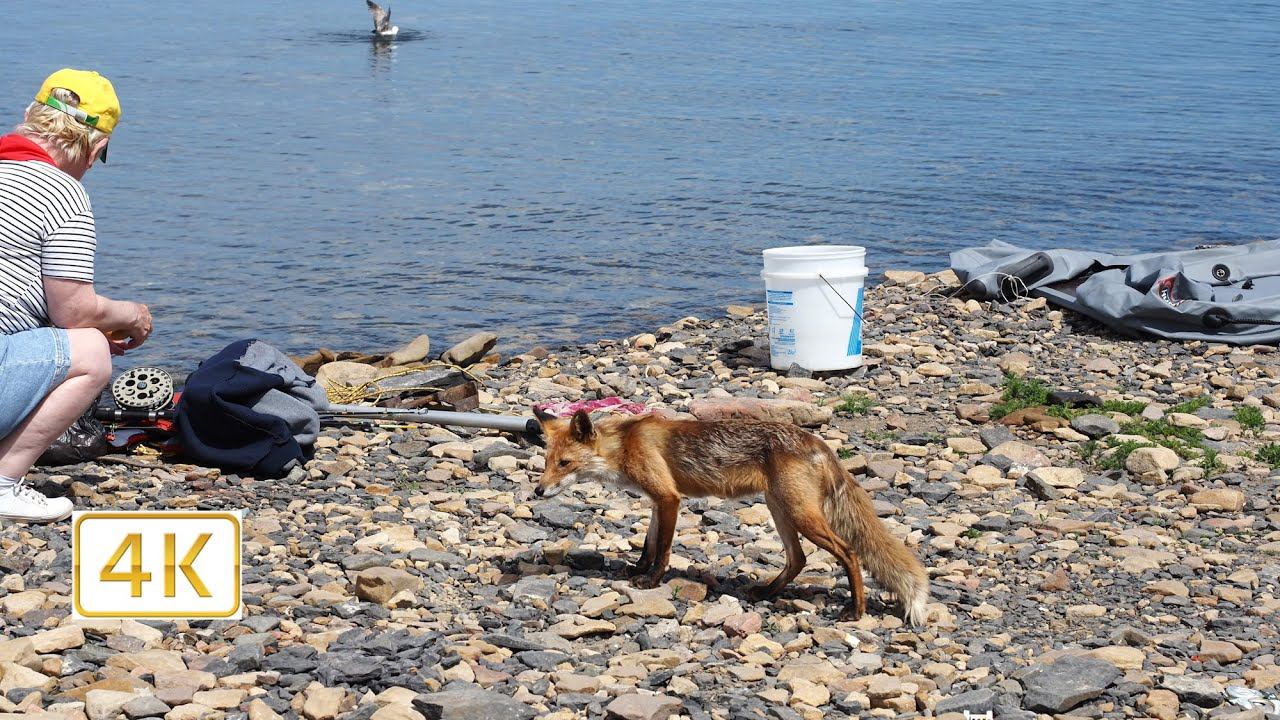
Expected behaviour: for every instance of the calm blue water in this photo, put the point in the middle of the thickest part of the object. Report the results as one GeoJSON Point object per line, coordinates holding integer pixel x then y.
{"type": "Point", "coordinates": [572, 170]}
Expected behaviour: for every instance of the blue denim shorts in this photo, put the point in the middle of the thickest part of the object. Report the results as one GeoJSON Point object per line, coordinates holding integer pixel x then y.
{"type": "Point", "coordinates": [32, 363]}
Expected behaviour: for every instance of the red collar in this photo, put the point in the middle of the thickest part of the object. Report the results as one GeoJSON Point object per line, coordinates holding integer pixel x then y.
{"type": "Point", "coordinates": [16, 147]}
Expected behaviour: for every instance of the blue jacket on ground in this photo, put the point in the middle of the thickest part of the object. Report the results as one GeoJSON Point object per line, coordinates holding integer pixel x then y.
{"type": "Point", "coordinates": [249, 409]}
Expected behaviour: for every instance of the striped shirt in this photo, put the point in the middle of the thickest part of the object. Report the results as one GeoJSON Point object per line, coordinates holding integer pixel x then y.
{"type": "Point", "coordinates": [46, 230]}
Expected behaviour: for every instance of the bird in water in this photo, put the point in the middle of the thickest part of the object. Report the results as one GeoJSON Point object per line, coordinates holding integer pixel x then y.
{"type": "Point", "coordinates": [382, 27]}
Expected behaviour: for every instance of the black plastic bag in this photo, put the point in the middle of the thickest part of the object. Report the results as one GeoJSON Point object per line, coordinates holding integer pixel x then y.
{"type": "Point", "coordinates": [85, 440]}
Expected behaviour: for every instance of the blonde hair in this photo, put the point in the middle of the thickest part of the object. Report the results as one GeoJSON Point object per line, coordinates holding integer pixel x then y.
{"type": "Point", "coordinates": [67, 139]}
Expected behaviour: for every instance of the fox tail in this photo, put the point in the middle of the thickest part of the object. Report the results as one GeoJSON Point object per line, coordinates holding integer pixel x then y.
{"type": "Point", "coordinates": [848, 509]}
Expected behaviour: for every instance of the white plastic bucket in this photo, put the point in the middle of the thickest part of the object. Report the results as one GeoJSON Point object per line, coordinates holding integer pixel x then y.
{"type": "Point", "coordinates": [814, 296]}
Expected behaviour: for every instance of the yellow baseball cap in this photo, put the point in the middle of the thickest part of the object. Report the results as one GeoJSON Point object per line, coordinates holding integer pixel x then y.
{"type": "Point", "coordinates": [99, 107]}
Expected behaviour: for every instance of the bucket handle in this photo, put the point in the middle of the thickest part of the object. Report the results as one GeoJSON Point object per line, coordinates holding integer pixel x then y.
{"type": "Point", "coordinates": [842, 297]}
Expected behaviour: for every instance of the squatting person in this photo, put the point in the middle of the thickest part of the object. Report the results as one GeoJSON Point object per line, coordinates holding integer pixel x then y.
{"type": "Point", "coordinates": [57, 335]}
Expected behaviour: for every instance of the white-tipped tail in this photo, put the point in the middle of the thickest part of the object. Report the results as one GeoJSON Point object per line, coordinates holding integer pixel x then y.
{"type": "Point", "coordinates": [848, 509]}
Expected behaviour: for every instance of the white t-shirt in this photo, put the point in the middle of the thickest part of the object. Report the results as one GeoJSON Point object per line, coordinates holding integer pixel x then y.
{"type": "Point", "coordinates": [46, 230]}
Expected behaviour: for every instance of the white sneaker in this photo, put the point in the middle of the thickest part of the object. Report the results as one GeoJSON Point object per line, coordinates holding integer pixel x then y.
{"type": "Point", "coordinates": [25, 504]}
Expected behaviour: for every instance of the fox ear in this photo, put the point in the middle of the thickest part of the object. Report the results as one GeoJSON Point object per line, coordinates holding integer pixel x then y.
{"type": "Point", "coordinates": [580, 427]}
{"type": "Point", "coordinates": [541, 414]}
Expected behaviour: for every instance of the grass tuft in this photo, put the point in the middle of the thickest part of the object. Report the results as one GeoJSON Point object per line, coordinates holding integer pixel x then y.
{"type": "Point", "coordinates": [1269, 454]}
{"type": "Point", "coordinates": [1191, 406]}
{"type": "Point", "coordinates": [1019, 393]}
{"type": "Point", "coordinates": [855, 405]}
{"type": "Point", "coordinates": [1250, 418]}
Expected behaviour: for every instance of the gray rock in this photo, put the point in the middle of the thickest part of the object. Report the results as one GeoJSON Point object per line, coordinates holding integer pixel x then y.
{"type": "Point", "coordinates": [1195, 690]}
{"type": "Point", "coordinates": [1039, 488]}
{"type": "Point", "coordinates": [363, 561]}
{"type": "Point", "coordinates": [975, 701]}
{"type": "Point", "coordinates": [348, 668]}
{"type": "Point", "coordinates": [532, 588]}
{"type": "Point", "coordinates": [1066, 683]}
{"type": "Point", "coordinates": [145, 706]}
{"type": "Point", "coordinates": [556, 514]}
{"type": "Point", "coordinates": [995, 435]}
{"type": "Point", "coordinates": [436, 557]}
{"type": "Point", "coordinates": [1095, 426]}
{"type": "Point", "coordinates": [526, 534]}
{"type": "Point", "coordinates": [471, 704]}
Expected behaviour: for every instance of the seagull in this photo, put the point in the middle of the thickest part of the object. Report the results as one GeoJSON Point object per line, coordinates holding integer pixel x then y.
{"type": "Point", "coordinates": [382, 26]}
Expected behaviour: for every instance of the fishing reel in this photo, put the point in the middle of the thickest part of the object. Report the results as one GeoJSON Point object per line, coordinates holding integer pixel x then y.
{"type": "Point", "coordinates": [142, 394]}
{"type": "Point", "coordinates": [143, 388]}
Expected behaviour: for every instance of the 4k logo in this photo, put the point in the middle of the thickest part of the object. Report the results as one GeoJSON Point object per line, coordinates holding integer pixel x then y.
{"type": "Point", "coordinates": [156, 564]}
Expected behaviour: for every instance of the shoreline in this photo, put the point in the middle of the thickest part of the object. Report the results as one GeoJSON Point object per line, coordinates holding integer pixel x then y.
{"type": "Point", "coordinates": [406, 561]}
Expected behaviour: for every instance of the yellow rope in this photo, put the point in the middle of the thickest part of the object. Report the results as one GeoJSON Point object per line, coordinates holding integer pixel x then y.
{"type": "Point", "coordinates": [340, 394]}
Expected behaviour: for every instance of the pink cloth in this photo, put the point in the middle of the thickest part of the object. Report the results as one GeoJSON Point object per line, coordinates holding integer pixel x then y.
{"type": "Point", "coordinates": [609, 404]}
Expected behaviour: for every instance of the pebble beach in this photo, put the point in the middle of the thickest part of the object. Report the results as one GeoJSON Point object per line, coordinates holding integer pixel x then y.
{"type": "Point", "coordinates": [1119, 560]}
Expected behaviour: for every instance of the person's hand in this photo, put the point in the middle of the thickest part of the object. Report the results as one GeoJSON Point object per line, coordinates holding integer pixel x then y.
{"type": "Point", "coordinates": [133, 334]}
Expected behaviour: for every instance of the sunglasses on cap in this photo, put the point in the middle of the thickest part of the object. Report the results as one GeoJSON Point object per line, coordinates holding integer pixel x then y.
{"type": "Point", "coordinates": [82, 116]}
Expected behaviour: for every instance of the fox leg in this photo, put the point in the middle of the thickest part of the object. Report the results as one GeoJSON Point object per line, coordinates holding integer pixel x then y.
{"type": "Point", "coordinates": [815, 527]}
{"type": "Point", "coordinates": [645, 563]}
{"type": "Point", "coordinates": [791, 541]}
{"type": "Point", "coordinates": [665, 510]}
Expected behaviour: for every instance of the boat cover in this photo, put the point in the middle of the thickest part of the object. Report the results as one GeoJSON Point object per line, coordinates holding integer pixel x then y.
{"type": "Point", "coordinates": [1223, 294]}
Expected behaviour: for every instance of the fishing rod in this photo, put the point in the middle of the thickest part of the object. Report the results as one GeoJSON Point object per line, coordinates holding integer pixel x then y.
{"type": "Point", "coordinates": [506, 423]}
{"type": "Point", "coordinates": [147, 395]}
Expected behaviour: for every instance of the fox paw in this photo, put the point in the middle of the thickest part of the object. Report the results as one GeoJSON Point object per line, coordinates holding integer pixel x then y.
{"type": "Point", "coordinates": [850, 614]}
{"type": "Point", "coordinates": [760, 593]}
{"type": "Point", "coordinates": [646, 582]}
{"type": "Point", "coordinates": [639, 569]}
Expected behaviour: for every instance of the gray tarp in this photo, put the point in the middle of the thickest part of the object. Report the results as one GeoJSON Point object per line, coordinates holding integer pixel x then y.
{"type": "Point", "coordinates": [1224, 294]}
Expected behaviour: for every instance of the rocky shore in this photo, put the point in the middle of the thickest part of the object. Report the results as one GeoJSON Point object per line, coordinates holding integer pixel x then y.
{"type": "Point", "coordinates": [1088, 561]}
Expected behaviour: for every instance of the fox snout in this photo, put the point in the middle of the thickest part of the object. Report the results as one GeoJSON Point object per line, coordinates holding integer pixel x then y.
{"type": "Point", "coordinates": [548, 487]}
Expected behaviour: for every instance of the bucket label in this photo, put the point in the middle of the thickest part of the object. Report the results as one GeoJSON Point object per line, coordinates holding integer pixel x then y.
{"type": "Point", "coordinates": [779, 297]}
{"type": "Point", "coordinates": [782, 334]}
{"type": "Point", "coordinates": [855, 334]}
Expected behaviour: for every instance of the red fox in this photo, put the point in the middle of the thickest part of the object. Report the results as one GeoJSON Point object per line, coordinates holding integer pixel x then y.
{"type": "Point", "coordinates": [806, 489]}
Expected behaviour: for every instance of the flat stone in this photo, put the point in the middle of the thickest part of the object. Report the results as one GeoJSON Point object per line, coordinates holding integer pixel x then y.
{"type": "Point", "coordinates": [1195, 690]}
{"type": "Point", "coordinates": [471, 704]}
{"type": "Point", "coordinates": [105, 704]}
{"type": "Point", "coordinates": [1016, 454]}
{"type": "Point", "coordinates": [1218, 499]}
{"type": "Point", "coordinates": [57, 640]}
{"type": "Point", "coordinates": [145, 706]}
{"type": "Point", "coordinates": [1151, 460]}
{"type": "Point", "coordinates": [976, 702]}
{"type": "Point", "coordinates": [1070, 681]}
{"type": "Point", "coordinates": [1094, 425]}
{"type": "Point", "coordinates": [643, 707]}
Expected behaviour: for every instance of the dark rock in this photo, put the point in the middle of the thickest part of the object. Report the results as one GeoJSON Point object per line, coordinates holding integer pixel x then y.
{"type": "Point", "coordinates": [1095, 426]}
{"type": "Point", "coordinates": [295, 659]}
{"type": "Point", "coordinates": [1072, 398]}
{"type": "Point", "coordinates": [526, 534]}
{"type": "Point", "coordinates": [975, 701]}
{"type": "Point", "coordinates": [995, 435]}
{"type": "Point", "coordinates": [471, 704]}
{"type": "Point", "coordinates": [556, 514]}
{"type": "Point", "coordinates": [545, 660]}
{"type": "Point", "coordinates": [348, 668]}
{"type": "Point", "coordinates": [145, 706]}
{"type": "Point", "coordinates": [1058, 687]}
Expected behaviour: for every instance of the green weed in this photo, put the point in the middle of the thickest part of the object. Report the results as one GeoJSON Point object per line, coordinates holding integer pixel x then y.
{"type": "Point", "coordinates": [1190, 406]}
{"type": "Point", "coordinates": [1269, 454]}
{"type": "Point", "coordinates": [1019, 393]}
{"type": "Point", "coordinates": [1209, 461]}
{"type": "Point", "coordinates": [1250, 418]}
{"type": "Point", "coordinates": [1128, 407]}
{"type": "Point", "coordinates": [844, 453]}
{"type": "Point", "coordinates": [855, 405]}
